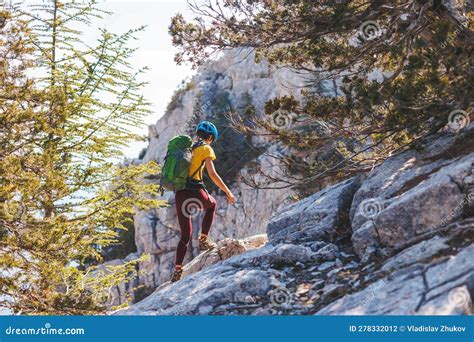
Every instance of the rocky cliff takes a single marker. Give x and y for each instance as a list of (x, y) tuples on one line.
[(240, 81), (396, 241)]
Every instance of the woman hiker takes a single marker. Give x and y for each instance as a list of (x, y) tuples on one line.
[(196, 196)]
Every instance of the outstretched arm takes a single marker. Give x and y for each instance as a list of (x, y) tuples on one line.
[(211, 171)]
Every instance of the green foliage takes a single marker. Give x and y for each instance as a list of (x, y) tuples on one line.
[(124, 243), (67, 111), (422, 51)]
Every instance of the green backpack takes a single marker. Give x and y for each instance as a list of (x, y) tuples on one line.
[(174, 173)]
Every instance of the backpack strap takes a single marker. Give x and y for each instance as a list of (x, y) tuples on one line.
[(195, 145), (161, 189), (199, 168), (198, 143)]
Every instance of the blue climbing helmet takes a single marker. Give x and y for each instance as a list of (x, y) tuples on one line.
[(209, 128)]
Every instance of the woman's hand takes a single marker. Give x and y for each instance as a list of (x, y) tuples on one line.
[(230, 198)]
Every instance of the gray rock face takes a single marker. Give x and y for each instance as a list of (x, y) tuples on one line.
[(240, 279), (225, 249), (419, 252), (414, 193), (318, 217), (432, 289), (270, 266), (410, 251)]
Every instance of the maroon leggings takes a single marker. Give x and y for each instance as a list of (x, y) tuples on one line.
[(188, 205)]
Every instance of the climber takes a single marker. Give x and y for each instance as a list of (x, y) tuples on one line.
[(196, 197)]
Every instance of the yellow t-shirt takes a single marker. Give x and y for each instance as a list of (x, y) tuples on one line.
[(200, 154)]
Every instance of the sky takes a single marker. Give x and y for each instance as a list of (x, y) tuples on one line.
[(154, 50)]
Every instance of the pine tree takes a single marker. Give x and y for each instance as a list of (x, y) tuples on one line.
[(66, 112), (421, 50)]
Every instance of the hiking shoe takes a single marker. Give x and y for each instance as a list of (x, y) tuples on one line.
[(176, 275), (205, 244)]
